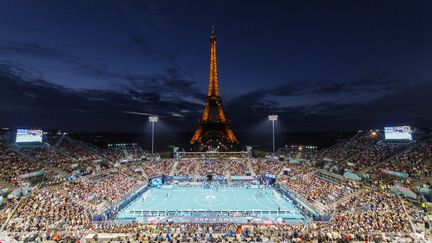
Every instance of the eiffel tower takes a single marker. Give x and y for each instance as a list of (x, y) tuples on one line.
[(213, 128)]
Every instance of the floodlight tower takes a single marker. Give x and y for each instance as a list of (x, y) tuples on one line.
[(153, 119), (273, 118)]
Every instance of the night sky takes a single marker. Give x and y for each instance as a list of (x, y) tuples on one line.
[(320, 65)]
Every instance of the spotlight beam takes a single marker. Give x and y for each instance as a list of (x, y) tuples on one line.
[(273, 118), (153, 119)]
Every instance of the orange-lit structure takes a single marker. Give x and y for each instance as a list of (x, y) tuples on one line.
[(213, 126)]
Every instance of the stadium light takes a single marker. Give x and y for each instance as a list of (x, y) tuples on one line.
[(153, 119), (273, 118)]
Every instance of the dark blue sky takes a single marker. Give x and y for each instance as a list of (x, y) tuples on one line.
[(320, 65)]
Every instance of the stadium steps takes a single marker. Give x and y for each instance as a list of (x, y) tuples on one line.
[(250, 167), (125, 153), (299, 155), (196, 169), (59, 141), (319, 206), (343, 199), (174, 168), (227, 171), (144, 172), (281, 172), (11, 214)]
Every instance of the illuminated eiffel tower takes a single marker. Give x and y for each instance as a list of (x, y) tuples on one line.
[(213, 127)]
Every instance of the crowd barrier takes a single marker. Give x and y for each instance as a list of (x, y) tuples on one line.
[(302, 206), (112, 210), (211, 213)]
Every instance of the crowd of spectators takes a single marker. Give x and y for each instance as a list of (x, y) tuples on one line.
[(102, 189), (238, 166), (71, 204), (349, 147), (304, 182), (356, 211), (416, 161), (49, 208), (13, 164), (54, 158), (372, 210), (371, 156), (288, 152), (119, 152), (233, 232), (78, 150), (267, 166), (185, 167), (134, 170), (158, 167), (217, 166)]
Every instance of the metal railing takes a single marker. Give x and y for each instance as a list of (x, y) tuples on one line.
[(225, 213)]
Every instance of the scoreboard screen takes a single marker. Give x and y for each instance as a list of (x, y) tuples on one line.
[(398, 133), (28, 136)]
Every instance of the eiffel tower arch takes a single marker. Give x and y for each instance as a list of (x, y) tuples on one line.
[(213, 128)]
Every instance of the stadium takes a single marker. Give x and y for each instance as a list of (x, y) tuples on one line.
[(113, 126), (369, 186)]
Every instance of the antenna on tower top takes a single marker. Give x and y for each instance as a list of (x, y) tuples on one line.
[(213, 30)]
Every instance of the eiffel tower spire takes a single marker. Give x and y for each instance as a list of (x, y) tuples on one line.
[(213, 125), (213, 88)]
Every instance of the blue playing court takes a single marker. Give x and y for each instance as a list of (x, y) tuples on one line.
[(259, 201)]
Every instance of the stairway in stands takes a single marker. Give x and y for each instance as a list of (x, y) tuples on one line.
[(227, 170), (9, 216), (250, 167), (174, 168), (125, 153), (343, 199), (144, 173), (196, 170)]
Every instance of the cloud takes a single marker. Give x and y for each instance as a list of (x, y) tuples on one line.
[(96, 70), (137, 113), (36, 102), (32, 50), (137, 44), (28, 100), (390, 101), (170, 84), (311, 95)]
